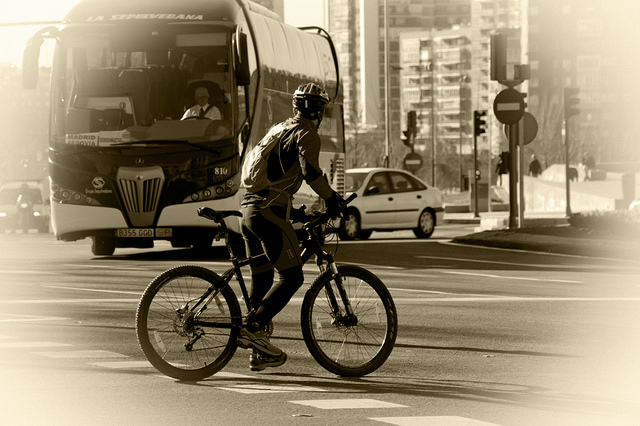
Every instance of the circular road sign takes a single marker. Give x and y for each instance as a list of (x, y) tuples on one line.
[(508, 106), (530, 128), (413, 162)]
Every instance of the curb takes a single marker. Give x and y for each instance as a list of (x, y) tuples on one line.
[(547, 244)]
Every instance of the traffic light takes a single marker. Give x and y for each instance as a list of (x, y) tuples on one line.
[(412, 122), (406, 139), (571, 101), (498, 57), (479, 121), (412, 129)]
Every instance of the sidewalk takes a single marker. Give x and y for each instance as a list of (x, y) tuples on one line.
[(542, 232), (489, 218)]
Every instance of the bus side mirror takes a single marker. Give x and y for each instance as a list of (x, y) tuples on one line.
[(241, 59), (30, 62)]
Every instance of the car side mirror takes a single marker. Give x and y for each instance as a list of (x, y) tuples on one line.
[(372, 190)]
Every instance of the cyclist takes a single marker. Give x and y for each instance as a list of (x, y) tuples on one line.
[(24, 205), (269, 236)]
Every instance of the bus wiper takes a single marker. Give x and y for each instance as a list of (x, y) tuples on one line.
[(170, 142)]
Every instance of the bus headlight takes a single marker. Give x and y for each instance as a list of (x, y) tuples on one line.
[(223, 189), (70, 196)]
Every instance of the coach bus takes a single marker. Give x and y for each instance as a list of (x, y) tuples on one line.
[(125, 168)]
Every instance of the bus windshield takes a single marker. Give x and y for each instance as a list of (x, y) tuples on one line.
[(117, 84)]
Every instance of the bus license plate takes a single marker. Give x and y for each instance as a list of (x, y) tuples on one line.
[(144, 233)]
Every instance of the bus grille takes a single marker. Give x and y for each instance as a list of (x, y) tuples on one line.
[(140, 190)]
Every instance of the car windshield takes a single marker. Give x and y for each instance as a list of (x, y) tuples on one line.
[(354, 180)]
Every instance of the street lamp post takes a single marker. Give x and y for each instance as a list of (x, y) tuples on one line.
[(433, 113), (387, 131), (461, 117)]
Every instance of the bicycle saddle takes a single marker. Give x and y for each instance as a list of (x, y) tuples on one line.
[(217, 215)]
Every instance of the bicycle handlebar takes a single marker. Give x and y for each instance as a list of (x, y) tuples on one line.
[(316, 219), (298, 215)]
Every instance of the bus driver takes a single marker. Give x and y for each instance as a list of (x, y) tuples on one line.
[(202, 108)]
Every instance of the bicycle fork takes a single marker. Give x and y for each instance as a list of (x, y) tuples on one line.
[(349, 319)]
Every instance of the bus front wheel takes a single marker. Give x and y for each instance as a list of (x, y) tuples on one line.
[(103, 246)]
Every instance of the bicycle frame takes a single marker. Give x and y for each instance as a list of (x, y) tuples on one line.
[(310, 246)]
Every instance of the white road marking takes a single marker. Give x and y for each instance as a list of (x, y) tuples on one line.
[(42, 301), (443, 293), (475, 274), (111, 267), (22, 318), (88, 354), (537, 265), (542, 253), (137, 293), (432, 420), (224, 374), (255, 389), (336, 404), (28, 272), (17, 345), (123, 364), (421, 273), (463, 298)]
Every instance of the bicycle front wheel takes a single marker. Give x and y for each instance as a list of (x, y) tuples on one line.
[(349, 346), (175, 333)]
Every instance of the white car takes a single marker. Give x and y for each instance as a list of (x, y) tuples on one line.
[(389, 200)]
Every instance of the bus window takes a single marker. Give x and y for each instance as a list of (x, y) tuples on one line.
[(127, 81)]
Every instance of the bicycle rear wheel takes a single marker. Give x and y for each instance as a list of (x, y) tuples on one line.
[(346, 346), (177, 340)]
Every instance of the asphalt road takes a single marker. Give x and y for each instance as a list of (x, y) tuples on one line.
[(486, 337)]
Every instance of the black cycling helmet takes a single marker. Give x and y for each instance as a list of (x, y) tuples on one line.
[(310, 100)]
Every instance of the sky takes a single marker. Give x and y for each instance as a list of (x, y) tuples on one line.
[(13, 39)]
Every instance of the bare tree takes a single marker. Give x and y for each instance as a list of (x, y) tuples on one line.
[(549, 144), (364, 146)]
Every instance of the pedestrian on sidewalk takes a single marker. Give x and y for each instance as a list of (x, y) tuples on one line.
[(534, 167)]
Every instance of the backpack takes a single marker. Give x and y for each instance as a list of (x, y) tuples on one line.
[(254, 170)]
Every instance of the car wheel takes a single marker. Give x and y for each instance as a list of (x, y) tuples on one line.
[(363, 235), (350, 226), (102, 246), (426, 224)]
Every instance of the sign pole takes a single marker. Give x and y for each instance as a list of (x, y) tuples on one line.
[(490, 170), (566, 168), (476, 212), (521, 172), (513, 176)]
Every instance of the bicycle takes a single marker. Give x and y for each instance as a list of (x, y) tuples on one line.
[(189, 317)]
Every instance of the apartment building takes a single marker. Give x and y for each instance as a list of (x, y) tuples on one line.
[(358, 28)]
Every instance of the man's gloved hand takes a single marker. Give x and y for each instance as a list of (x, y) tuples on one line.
[(298, 215), (336, 205)]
